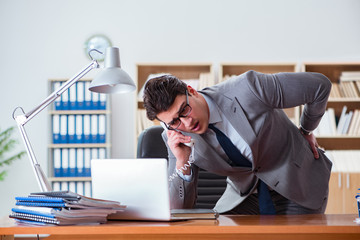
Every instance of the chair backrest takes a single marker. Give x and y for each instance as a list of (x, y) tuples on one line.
[(210, 186), (151, 144)]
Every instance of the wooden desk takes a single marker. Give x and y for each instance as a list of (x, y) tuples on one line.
[(294, 227)]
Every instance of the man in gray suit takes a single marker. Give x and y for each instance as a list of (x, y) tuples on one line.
[(247, 112)]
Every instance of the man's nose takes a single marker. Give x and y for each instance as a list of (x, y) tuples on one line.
[(186, 121)]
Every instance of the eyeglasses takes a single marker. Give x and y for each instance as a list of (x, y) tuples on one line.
[(176, 122)]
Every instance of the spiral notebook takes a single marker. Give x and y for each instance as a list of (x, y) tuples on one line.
[(39, 202), (142, 185)]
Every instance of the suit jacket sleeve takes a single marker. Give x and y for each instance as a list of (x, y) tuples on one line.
[(285, 90)]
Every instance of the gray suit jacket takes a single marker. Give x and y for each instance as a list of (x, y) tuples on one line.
[(282, 158)]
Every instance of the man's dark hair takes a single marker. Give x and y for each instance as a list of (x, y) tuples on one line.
[(160, 93)]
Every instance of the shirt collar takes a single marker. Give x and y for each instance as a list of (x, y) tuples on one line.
[(214, 113)]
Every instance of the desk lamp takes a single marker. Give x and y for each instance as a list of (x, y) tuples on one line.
[(112, 79)]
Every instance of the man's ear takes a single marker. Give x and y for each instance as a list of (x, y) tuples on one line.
[(192, 91)]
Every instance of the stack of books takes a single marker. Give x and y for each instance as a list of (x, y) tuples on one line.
[(348, 123), (348, 85), (63, 208)]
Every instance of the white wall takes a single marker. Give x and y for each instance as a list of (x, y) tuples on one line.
[(43, 39)]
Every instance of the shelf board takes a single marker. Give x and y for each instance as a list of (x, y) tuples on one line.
[(69, 179), (343, 142), (81, 112), (239, 68), (343, 99), (80, 145)]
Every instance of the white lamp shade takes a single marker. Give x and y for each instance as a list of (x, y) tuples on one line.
[(112, 79)]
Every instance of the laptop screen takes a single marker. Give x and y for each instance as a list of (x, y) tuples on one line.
[(140, 184)]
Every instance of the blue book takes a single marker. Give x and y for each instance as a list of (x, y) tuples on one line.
[(71, 129), (65, 100), (79, 128), (65, 169), (72, 162), (87, 128), (79, 162), (37, 213), (72, 98), (57, 103), (63, 129), (33, 218), (57, 162), (40, 199), (102, 129), (40, 204), (102, 102), (28, 221), (87, 97), (56, 129), (80, 95), (94, 129), (95, 101), (87, 162)]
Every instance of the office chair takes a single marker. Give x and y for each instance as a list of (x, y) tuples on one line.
[(210, 186)]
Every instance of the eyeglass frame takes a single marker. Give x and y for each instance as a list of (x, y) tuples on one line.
[(180, 116)]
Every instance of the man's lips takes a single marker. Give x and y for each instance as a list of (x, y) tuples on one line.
[(196, 127)]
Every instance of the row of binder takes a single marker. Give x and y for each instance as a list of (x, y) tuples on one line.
[(79, 128), (79, 97), (79, 187), (75, 162)]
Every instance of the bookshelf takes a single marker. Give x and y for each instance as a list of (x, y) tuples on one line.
[(333, 71), (79, 127), (343, 148), (230, 69), (199, 74)]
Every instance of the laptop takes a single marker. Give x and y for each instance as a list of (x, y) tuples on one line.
[(140, 184)]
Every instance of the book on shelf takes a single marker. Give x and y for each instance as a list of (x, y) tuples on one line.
[(335, 91), (345, 90), (78, 97), (82, 187), (348, 117), (350, 76), (344, 161), (342, 120), (75, 162), (206, 80), (348, 86), (354, 128), (79, 128), (349, 89), (327, 125), (348, 124), (63, 208)]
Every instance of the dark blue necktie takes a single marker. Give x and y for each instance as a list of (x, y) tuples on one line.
[(266, 206)]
